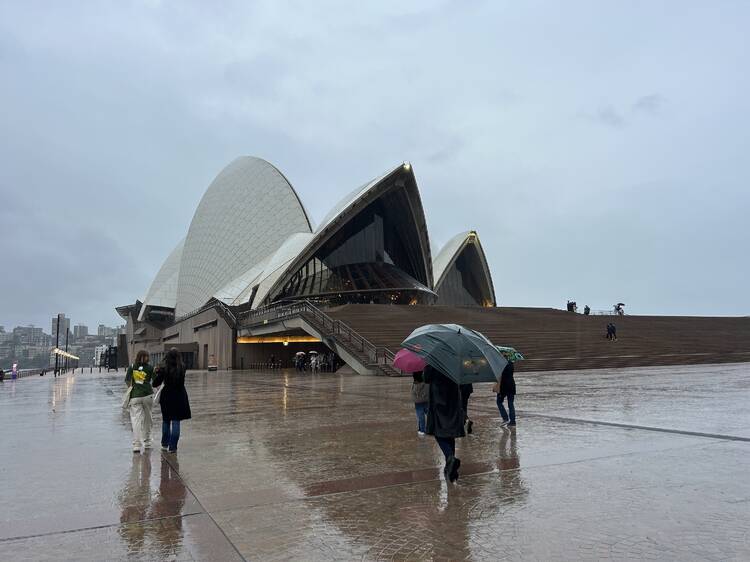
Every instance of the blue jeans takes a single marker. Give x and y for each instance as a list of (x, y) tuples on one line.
[(421, 408), (447, 445), (170, 436), (511, 408)]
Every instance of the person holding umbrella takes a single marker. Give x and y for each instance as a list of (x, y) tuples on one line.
[(445, 417), (412, 363), (455, 355), (466, 392), (314, 362), (420, 394)]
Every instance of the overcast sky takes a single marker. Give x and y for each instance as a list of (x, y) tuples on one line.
[(600, 149)]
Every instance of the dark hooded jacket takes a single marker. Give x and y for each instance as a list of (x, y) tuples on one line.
[(445, 415), (174, 398), (507, 382)]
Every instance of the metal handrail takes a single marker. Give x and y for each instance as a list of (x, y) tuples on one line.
[(208, 306), (376, 355)]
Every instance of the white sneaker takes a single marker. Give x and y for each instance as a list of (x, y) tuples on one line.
[(420, 433), (504, 423), (147, 445), (163, 448)]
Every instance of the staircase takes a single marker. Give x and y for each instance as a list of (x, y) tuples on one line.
[(554, 339), (550, 339), (375, 358)]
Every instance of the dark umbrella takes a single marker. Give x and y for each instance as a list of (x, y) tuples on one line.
[(464, 355)]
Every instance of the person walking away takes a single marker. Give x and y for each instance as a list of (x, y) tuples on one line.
[(614, 332), (466, 390), (14, 371), (2, 375), (138, 378), (609, 331), (420, 395), (445, 417), (174, 402), (507, 390)]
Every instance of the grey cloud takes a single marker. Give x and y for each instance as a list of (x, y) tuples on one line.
[(607, 116), (649, 104)]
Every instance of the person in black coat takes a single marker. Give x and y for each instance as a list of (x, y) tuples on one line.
[(445, 417), (507, 389), (466, 391), (174, 402)]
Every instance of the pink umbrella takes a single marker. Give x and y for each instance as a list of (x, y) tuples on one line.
[(408, 361)]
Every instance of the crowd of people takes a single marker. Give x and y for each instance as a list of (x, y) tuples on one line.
[(442, 409), (315, 362)]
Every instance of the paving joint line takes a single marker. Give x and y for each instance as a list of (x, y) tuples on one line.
[(641, 427), (205, 511), (95, 527)]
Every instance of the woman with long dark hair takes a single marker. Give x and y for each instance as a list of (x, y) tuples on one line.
[(174, 402)]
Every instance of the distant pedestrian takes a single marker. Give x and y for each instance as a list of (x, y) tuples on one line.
[(2, 375), (14, 371), (609, 331), (138, 378), (445, 417), (614, 332), (466, 390), (506, 390), (174, 402), (420, 394)]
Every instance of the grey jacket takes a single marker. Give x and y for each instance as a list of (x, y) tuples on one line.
[(420, 392)]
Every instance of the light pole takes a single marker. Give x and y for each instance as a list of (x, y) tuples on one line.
[(57, 345), (67, 331)]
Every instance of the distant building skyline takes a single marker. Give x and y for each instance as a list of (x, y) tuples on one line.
[(61, 321)]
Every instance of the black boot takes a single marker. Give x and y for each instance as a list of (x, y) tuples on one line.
[(448, 470), (453, 473)]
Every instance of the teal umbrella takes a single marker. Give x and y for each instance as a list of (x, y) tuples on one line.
[(510, 353), (464, 355)]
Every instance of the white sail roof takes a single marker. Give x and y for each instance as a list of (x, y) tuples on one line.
[(163, 289), (246, 214)]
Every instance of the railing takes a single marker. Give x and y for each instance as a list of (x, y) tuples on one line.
[(336, 328), (223, 308), (21, 373)]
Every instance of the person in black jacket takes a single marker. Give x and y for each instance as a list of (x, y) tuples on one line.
[(466, 391), (507, 389), (445, 417), (174, 402)]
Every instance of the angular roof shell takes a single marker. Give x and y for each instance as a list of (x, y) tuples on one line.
[(399, 177), (449, 253), (163, 289), (246, 214)]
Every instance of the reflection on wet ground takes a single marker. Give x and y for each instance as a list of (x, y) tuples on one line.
[(647, 463)]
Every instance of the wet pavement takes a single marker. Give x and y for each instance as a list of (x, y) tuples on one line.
[(646, 463)]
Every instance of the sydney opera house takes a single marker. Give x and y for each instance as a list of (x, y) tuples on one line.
[(251, 246)]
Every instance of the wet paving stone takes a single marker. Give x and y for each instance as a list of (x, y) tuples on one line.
[(646, 464)]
